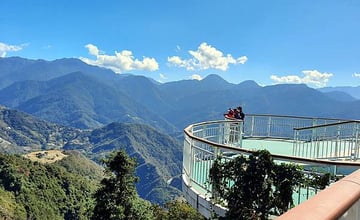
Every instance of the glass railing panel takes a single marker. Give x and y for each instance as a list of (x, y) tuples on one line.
[(337, 141), (310, 139)]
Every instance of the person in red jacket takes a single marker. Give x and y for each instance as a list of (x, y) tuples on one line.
[(230, 113)]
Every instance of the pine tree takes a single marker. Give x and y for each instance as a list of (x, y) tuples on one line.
[(117, 197)]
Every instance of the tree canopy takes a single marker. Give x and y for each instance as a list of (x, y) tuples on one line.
[(117, 197), (64, 190), (257, 185)]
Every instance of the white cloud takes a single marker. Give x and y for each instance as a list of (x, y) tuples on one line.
[(4, 48), (313, 77), (206, 57), (196, 77), (162, 76), (47, 47), (356, 75), (93, 50), (177, 61), (242, 60), (120, 62)]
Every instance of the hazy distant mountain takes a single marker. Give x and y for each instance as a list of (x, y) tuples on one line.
[(340, 96), (291, 99), (174, 91), (86, 100), (19, 92), (14, 69), (91, 97), (353, 91), (79, 100), (158, 155), (145, 92)]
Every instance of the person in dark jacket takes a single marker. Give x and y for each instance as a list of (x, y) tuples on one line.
[(239, 113)]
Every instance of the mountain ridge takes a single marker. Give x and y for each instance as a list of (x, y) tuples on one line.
[(80, 100), (96, 111), (158, 155), (86, 100), (353, 91)]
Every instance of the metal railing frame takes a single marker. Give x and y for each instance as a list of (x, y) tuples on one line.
[(208, 140)]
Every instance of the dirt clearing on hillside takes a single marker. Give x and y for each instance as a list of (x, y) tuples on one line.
[(46, 156)]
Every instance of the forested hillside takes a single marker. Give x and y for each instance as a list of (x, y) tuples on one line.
[(21, 132), (31, 190), (158, 155), (76, 188)]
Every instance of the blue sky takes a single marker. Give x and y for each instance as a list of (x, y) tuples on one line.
[(281, 41)]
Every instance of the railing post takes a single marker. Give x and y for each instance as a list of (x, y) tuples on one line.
[(337, 141), (357, 144), (221, 133), (314, 139), (314, 122), (252, 126), (317, 145), (204, 127), (241, 133), (268, 127), (220, 140), (295, 143), (192, 159)]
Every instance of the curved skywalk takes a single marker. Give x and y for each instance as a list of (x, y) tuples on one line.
[(330, 145)]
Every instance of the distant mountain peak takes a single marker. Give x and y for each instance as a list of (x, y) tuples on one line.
[(249, 83), (68, 60), (215, 81), (213, 77), (291, 85)]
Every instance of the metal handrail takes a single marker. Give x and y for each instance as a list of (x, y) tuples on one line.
[(299, 117), (326, 125), (312, 161), (205, 141), (339, 201)]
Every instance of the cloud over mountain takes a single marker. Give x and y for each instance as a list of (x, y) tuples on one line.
[(196, 76), (120, 62), (4, 48), (313, 77), (207, 57), (356, 75)]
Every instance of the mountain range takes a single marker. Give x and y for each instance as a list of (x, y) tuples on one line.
[(67, 104), (72, 93), (158, 155), (352, 92)]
